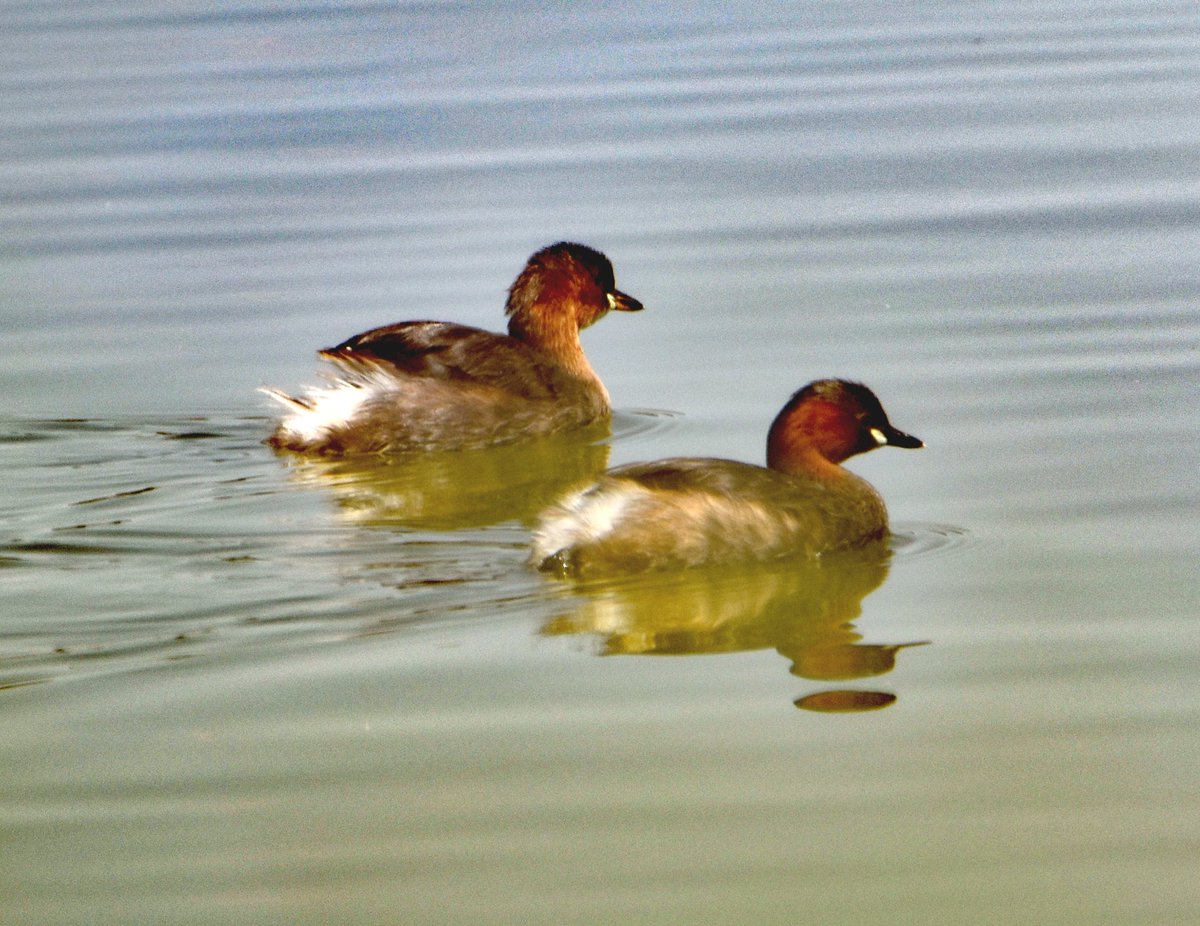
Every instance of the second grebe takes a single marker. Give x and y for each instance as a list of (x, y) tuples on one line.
[(686, 512), (426, 385)]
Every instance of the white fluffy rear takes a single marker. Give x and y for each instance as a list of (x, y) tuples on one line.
[(323, 409), (582, 518)]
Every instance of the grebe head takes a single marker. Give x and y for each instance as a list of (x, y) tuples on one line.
[(565, 283), (835, 419)]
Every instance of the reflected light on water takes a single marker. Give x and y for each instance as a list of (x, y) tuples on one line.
[(460, 489), (473, 488), (804, 610)]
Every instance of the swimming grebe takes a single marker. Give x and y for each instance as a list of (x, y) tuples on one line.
[(685, 512), (436, 385)]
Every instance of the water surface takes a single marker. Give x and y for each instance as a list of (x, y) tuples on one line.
[(242, 688)]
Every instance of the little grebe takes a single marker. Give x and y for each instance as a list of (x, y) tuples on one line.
[(685, 512), (424, 385)]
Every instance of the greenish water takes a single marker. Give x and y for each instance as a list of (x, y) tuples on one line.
[(238, 688)]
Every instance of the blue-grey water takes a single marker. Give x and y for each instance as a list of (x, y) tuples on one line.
[(238, 688)]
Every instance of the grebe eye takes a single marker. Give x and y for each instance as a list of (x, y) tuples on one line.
[(880, 437)]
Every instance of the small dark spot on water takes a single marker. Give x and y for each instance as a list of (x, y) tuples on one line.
[(188, 435), (23, 437), (845, 701), (80, 424), (47, 546), (85, 526), (108, 498), (21, 683)]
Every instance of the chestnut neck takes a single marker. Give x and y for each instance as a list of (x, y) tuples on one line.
[(553, 330), (812, 438)]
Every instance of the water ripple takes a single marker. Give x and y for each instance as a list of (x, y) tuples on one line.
[(915, 538), (634, 425)]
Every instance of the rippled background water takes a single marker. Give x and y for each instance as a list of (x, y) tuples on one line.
[(245, 690)]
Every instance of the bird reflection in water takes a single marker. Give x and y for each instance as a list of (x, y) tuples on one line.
[(803, 609), (462, 489)]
